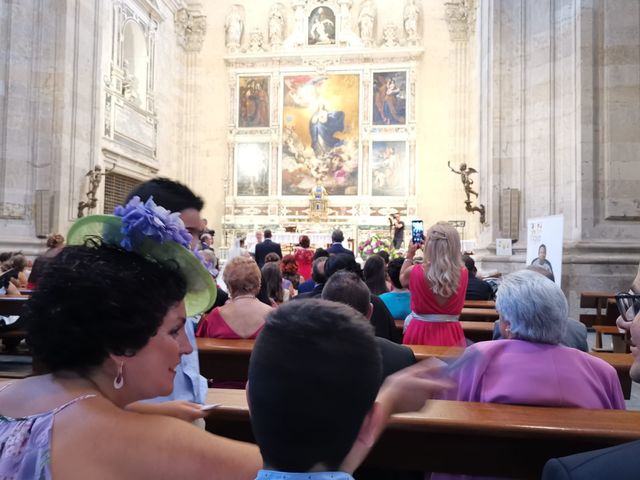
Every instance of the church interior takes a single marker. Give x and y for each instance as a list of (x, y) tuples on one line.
[(307, 117)]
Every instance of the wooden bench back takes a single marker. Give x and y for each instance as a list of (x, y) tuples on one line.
[(463, 437)]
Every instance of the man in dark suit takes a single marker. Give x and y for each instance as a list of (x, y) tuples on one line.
[(345, 287), (621, 462), (337, 237), (265, 247)]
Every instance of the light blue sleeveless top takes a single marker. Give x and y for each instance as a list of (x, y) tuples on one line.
[(25, 444)]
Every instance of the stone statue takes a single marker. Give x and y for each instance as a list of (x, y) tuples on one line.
[(256, 41), (128, 83), (366, 22), (95, 177), (234, 26), (411, 17), (390, 35), (276, 25)]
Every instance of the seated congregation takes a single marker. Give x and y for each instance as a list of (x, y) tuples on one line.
[(113, 322)]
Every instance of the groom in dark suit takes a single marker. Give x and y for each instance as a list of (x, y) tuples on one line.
[(265, 247), (337, 237)]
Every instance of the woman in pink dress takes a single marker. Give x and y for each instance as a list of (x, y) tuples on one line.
[(243, 315), (304, 257), (437, 287)]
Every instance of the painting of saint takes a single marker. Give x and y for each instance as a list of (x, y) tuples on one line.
[(322, 27), (252, 169), (389, 168), (253, 102), (320, 131), (389, 98)]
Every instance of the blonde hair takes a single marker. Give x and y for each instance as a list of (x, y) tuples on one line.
[(55, 240), (242, 276), (442, 259)]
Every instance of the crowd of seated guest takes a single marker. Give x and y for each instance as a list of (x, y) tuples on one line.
[(529, 362)]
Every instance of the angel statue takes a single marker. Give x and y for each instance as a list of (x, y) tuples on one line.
[(411, 15), (465, 178)]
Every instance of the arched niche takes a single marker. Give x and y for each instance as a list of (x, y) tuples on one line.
[(135, 62)]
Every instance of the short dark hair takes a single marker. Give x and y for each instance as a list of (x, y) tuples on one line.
[(337, 236), (316, 275), (373, 273), (385, 256), (96, 299), (348, 288), (341, 261), (172, 195), (393, 269), (314, 374), (470, 264), (319, 253), (267, 233), (271, 257)]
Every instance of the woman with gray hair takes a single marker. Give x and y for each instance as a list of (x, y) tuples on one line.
[(530, 367)]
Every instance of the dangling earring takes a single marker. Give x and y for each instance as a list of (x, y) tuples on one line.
[(118, 382)]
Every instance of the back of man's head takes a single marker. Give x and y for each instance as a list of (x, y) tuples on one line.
[(341, 261), (313, 377), (172, 195), (317, 272), (267, 233), (348, 288), (337, 236)]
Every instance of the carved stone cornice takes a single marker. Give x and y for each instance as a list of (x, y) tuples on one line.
[(460, 16), (191, 28)]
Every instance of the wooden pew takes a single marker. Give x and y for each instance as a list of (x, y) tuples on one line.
[(479, 314), (480, 304), (474, 331), (622, 363), (463, 437), (598, 301), (228, 360)]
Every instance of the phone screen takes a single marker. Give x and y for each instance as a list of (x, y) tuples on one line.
[(417, 231)]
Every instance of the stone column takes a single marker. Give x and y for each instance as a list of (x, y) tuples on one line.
[(191, 28), (460, 17)]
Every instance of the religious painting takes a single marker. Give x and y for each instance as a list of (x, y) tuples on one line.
[(322, 27), (320, 132), (389, 98), (389, 168), (252, 169), (253, 101)]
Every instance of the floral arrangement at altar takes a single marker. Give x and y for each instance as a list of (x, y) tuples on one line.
[(376, 244)]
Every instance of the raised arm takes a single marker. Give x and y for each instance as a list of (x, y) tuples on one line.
[(407, 266)]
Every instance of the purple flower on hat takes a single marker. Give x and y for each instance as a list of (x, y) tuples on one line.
[(148, 220)]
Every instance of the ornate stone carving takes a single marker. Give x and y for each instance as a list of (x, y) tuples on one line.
[(366, 22), (276, 25), (460, 16), (411, 20), (390, 35), (234, 27), (256, 41), (190, 29)]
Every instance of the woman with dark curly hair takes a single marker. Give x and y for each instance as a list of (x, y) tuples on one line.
[(108, 322)]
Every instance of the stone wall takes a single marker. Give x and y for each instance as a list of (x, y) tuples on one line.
[(559, 122)]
